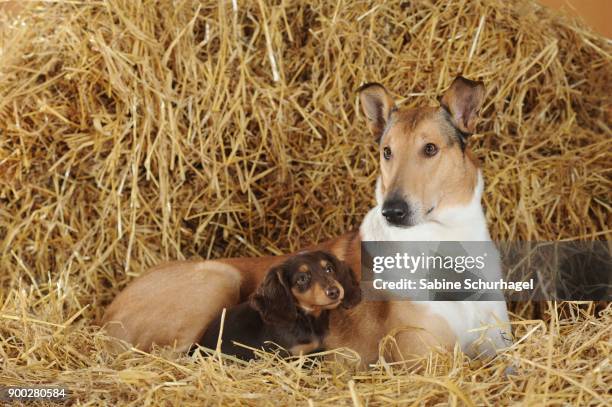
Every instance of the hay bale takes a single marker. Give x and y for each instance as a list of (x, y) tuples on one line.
[(137, 131)]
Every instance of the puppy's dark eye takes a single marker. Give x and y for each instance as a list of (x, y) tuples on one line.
[(329, 268), (430, 149), (387, 153), (303, 279)]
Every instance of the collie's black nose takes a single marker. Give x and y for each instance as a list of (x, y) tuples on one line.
[(333, 293), (396, 211)]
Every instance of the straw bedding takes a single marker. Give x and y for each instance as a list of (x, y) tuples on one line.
[(137, 131)]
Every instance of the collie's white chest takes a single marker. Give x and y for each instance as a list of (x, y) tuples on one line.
[(480, 327)]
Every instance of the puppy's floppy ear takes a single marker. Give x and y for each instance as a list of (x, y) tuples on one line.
[(273, 299), (376, 104), (462, 101), (352, 291)]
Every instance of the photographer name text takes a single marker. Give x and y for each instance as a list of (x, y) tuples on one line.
[(444, 285)]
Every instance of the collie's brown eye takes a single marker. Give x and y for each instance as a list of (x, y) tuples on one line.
[(329, 268), (430, 149), (387, 153)]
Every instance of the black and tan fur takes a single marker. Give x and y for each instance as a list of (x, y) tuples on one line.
[(290, 309)]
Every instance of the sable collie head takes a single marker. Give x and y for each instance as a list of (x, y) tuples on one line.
[(424, 159), (310, 281)]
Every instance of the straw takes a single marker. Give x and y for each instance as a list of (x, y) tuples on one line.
[(133, 132)]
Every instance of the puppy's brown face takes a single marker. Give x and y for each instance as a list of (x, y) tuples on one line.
[(312, 282)]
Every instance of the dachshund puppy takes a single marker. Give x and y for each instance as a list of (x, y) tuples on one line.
[(290, 309)]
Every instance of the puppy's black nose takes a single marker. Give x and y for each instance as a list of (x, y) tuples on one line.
[(332, 292), (395, 211)]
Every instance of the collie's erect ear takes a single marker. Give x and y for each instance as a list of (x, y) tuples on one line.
[(462, 101), (376, 104), (273, 299), (352, 291)]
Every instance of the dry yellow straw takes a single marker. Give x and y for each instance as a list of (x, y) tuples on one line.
[(133, 132)]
